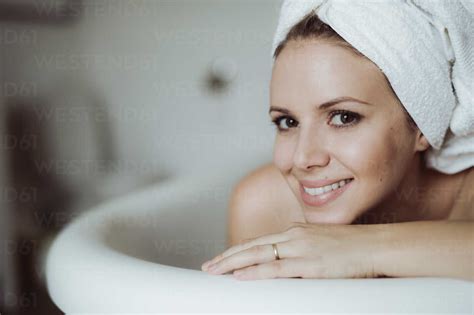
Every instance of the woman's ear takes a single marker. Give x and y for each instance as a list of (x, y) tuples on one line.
[(422, 143)]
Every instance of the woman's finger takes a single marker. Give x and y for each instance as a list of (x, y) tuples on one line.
[(284, 268), (257, 254), (266, 239)]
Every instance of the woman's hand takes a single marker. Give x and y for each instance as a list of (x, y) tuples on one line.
[(306, 251)]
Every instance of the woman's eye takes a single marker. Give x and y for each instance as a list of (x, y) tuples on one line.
[(285, 123), (344, 118)]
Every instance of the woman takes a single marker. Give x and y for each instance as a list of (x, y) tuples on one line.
[(349, 193)]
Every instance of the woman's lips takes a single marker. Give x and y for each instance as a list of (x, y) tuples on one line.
[(324, 198)]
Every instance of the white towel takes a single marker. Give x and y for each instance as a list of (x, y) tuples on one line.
[(425, 49)]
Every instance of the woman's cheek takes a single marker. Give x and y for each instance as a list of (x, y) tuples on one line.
[(366, 153), (375, 159), (283, 153)]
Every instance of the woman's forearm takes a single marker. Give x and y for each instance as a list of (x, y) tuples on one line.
[(424, 249)]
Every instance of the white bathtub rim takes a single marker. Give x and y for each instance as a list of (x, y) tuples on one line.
[(75, 292)]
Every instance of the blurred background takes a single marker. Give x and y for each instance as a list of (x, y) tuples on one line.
[(103, 97)]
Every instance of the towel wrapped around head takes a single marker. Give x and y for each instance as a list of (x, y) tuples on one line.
[(425, 49)]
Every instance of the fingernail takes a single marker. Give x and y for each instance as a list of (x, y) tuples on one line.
[(214, 268), (211, 267)]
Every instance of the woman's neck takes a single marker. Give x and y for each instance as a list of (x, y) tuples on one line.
[(413, 198)]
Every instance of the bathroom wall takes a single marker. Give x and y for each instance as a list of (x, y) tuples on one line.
[(146, 63), (113, 95)]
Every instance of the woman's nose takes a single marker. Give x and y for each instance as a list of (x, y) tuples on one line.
[(310, 152)]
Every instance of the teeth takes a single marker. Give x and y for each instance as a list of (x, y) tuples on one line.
[(321, 190), (318, 191)]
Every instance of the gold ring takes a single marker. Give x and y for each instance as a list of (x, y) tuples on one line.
[(275, 251)]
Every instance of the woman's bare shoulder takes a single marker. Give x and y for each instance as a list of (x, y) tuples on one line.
[(260, 204), (463, 208)]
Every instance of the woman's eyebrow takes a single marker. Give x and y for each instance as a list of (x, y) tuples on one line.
[(324, 105)]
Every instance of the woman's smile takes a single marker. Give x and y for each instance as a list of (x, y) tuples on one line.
[(318, 196)]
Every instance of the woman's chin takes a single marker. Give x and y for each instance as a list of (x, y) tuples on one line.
[(328, 215)]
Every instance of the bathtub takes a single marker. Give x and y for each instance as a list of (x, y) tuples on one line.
[(142, 253)]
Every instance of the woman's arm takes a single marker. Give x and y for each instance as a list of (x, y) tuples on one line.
[(426, 248), (411, 249)]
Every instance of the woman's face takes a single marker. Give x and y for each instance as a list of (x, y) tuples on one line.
[(363, 147)]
